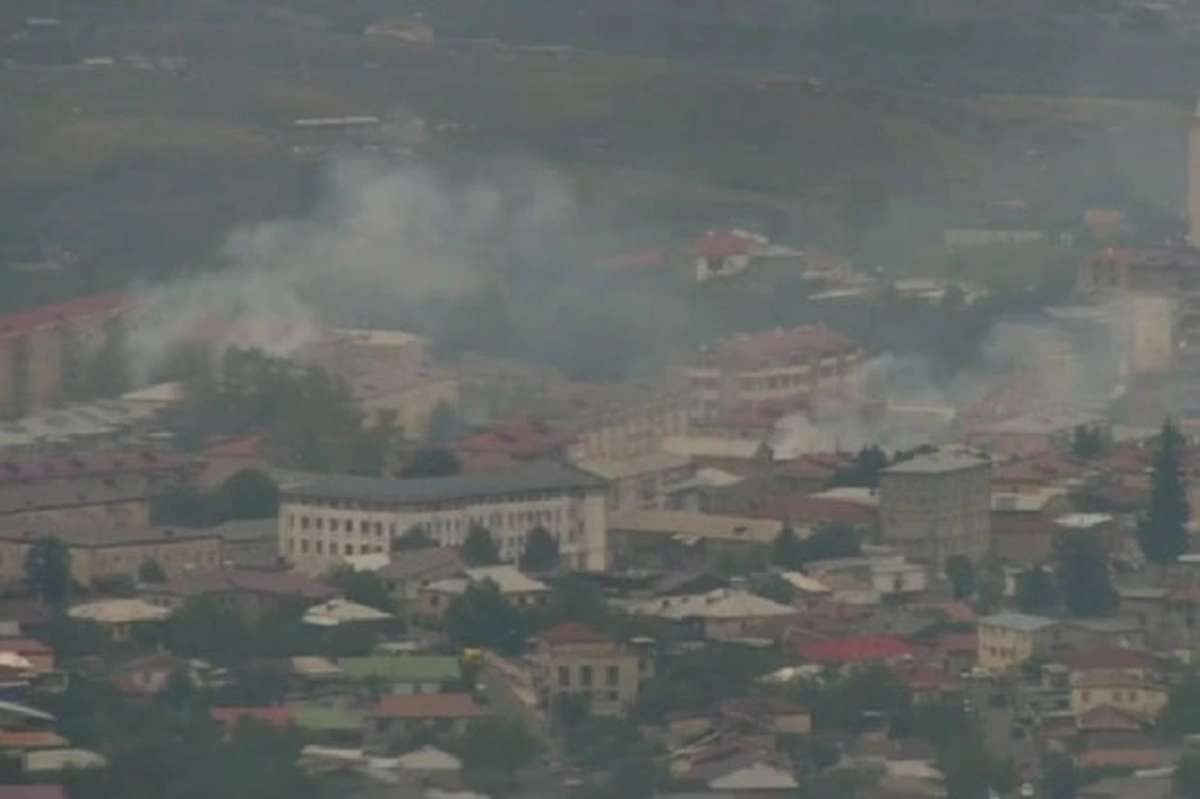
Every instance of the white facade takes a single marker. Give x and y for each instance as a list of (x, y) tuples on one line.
[(324, 521)]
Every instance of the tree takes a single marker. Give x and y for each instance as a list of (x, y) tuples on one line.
[(248, 494), (961, 574), (414, 537), (864, 472), (479, 548), (829, 541), (1060, 778), (1162, 530), (1185, 782), (1088, 442), (1083, 576), (482, 617), (541, 551), (48, 570), (363, 587), (374, 447), (1181, 715), (433, 462), (787, 552), (1036, 592), (493, 750), (444, 425), (151, 571)]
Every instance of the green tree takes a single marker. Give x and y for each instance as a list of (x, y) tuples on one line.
[(482, 617), (1083, 576), (787, 551), (831, 540), (541, 551), (203, 628), (1088, 442), (1185, 781), (375, 446), (414, 537), (1036, 592), (1060, 778), (1162, 530), (48, 570), (493, 750), (248, 494), (363, 587), (961, 574), (444, 425), (433, 462), (479, 548), (151, 571), (1181, 715), (868, 464)]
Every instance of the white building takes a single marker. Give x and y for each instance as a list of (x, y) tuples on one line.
[(325, 519)]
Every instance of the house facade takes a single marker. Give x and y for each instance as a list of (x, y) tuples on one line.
[(574, 660)]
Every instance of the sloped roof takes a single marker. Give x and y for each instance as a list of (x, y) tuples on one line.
[(856, 649), (572, 633)]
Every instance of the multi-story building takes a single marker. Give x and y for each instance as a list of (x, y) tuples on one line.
[(324, 519), (102, 489), (574, 660), (98, 554), (937, 505), (43, 350), (645, 483), (1006, 640), (773, 367)]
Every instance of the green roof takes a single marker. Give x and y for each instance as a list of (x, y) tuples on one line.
[(326, 719), (402, 668)]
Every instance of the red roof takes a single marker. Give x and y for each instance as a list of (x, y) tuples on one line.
[(776, 348), (518, 439), (49, 315), (32, 792), (233, 716), (1108, 719), (25, 646), (572, 633), (425, 706), (244, 447), (86, 464), (723, 245), (1110, 658), (856, 649)]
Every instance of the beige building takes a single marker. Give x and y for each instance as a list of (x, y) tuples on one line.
[(98, 554), (722, 615), (618, 421), (938, 505), (1116, 688), (1006, 640), (324, 519), (574, 660), (522, 592), (773, 367), (644, 483)]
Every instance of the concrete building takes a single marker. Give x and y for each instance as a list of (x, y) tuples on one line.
[(644, 483), (937, 505), (1006, 640), (773, 367), (102, 490), (43, 350), (1116, 688), (324, 519), (70, 429), (99, 554), (574, 660), (519, 590)]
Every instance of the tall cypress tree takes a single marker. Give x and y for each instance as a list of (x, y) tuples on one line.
[(1162, 530)]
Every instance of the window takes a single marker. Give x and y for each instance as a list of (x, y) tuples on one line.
[(1087, 696), (612, 675), (320, 546), (564, 676), (304, 545), (303, 522), (364, 526), (585, 676), (613, 696), (349, 549)]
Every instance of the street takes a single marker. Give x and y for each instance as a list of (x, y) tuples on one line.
[(997, 725)]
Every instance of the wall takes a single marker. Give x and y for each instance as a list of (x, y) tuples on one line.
[(607, 698), (932, 516), (89, 563)]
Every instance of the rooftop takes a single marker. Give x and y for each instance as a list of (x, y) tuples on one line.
[(402, 668), (99, 537), (713, 447), (416, 562), (1020, 622), (572, 633), (425, 706), (856, 649), (538, 478), (611, 469), (102, 463), (244, 581), (723, 603), (428, 758), (689, 524), (774, 349), (336, 612), (47, 315), (724, 244), (118, 611), (941, 461)]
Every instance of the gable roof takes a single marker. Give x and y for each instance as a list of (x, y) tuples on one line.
[(856, 649), (415, 562), (1021, 622), (757, 777), (1109, 658), (572, 633)]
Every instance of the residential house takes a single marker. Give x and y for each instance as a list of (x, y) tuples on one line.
[(774, 366), (1006, 640), (521, 591), (249, 543), (774, 716), (762, 780), (44, 791), (719, 255), (669, 539), (398, 717), (1032, 435), (407, 572), (119, 617), (1106, 633), (340, 612), (149, 675), (325, 519), (937, 505), (856, 650), (573, 660), (724, 614), (403, 674), (430, 767), (1116, 688), (99, 554), (251, 593), (736, 456), (38, 655)]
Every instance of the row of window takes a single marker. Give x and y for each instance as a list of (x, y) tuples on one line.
[(319, 547), (461, 504), (1116, 696), (612, 676)]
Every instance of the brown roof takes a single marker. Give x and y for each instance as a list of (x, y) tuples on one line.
[(1110, 658), (1106, 718), (97, 537), (245, 581), (1145, 758), (425, 706), (32, 792), (31, 739), (1112, 678), (415, 562), (572, 633), (91, 464), (25, 646)]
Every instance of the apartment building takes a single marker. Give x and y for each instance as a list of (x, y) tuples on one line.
[(937, 505), (773, 367), (41, 350), (645, 483), (102, 489), (324, 519), (98, 554), (1006, 640), (574, 660)]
